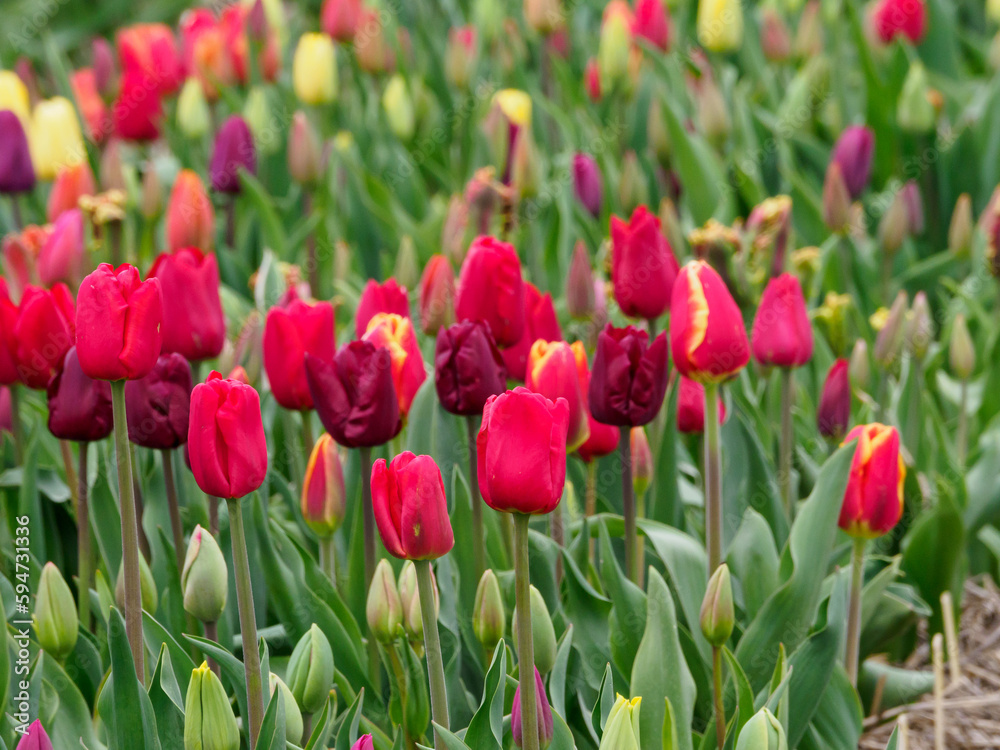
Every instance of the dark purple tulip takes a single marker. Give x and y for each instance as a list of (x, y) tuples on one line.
[(354, 395), (233, 151), (157, 406), (35, 738), (79, 407), (834, 413), (468, 367), (543, 711), (17, 175), (587, 181), (853, 152), (629, 377)]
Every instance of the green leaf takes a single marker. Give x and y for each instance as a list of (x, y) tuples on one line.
[(272, 728), (347, 735), (323, 727), (72, 721), (605, 702), (628, 615), (264, 209), (899, 687), (932, 554), (557, 679), (744, 693), (167, 702), (134, 724), (486, 728), (670, 741), (753, 559)]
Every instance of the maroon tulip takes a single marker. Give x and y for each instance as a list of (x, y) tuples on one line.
[(834, 412), (543, 711), (691, 407), (8, 341), (63, 254), (853, 152), (289, 334), (540, 322), (35, 738), (226, 442), (411, 509), (603, 438), (233, 151), (490, 288), (587, 183), (102, 60), (118, 320), (45, 331), (781, 334), (629, 377), (158, 405), (376, 298), (354, 395), (643, 267), (193, 320), (468, 367), (17, 175), (79, 406)]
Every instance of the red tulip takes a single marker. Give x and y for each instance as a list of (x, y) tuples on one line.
[(149, 50), (411, 509), (522, 452), (395, 333), (340, 18), (45, 331), (643, 267), (468, 367), (63, 254), (90, 103), (194, 324), (235, 20), (834, 411), (71, 184), (592, 80), (79, 406), (205, 54), (388, 297), (289, 334), (158, 405), (490, 289), (603, 438), (782, 335), (873, 501), (552, 372), (540, 322), (894, 18), (190, 218), (355, 396), (691, 407), (138, 110), (323, 494), (8, 341), (629, 377), (652, 23), (437, 295), (118, 321), (35, 738), (707, 337)]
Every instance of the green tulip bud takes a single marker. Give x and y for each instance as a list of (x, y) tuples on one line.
[(209, 723), (858, 368), (717, 613), (205, 578), (293, 716), (919, 327), (409, 595), (621, 732), (407, 269), (614, 47), (632, 187), (146, 585), (961, 350), (56, 622), (384, 610), (489, 618), (914, 111), (892, 229), (543, 634), (193, 117), (762, 732), (398, 105), (310, 670), (836, 200), (962, 226), (889, 341), (257, 113)]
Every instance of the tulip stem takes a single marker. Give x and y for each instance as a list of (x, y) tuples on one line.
[(854, 610), (525, 642), (307, 434), (212, 634), (962, 438), (590, 506), (15, 422), (71, 480), (328, 558), (130, 531), (248, 621), (713, 478), (785, 445), (720, 708), (628, 506), (312, 262), (174, 507), (83, 541), (15, 210), (432, 647), (913, 411), (368, 512), (479, 541)]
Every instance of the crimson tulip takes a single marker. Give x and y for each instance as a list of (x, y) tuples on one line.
[(629, 377), (6, 410), (118, 320), (490, 288), (190, 219), (138, 111), (194, 324), (540, 322), (853, 153), (63, 253), (150, 50), (552, 372), (17, 174), (79, 406), (232, 152), (900, 18), (8, 341), (707, 337), (643, 266), (437, 295), (395, 333), (652, 23), (45, 331), (389, 297), (873, 501), (354, 395), (468, 367), (323, 494), (834, 411), (227, 447), (691, 407), (289, 334), (782, 335), (411, 509), (157, 407), (340, 18), (522, 452)]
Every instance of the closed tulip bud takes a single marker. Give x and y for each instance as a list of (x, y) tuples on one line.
[(782, 335), (720, 25), (543, 634), (63, 254), (713, 111), (232, 152), (71, 184), (809, 35), (873, 500), (384, 610), (993, 10), (961, 350), (642, 460), (621, 731), (914, 111), (919, 329), (437, 295), (314, 69), (290, 333), (293, 714), (193, 115), (79, 407), (894, 19), (858, 369), (643, 266), (323, 494), (150, 50), (305, 158), (652, 23), (775, 40), (614, 47), (190, 217), (370, 45), (629, 377), (137, 113), (340, 18), (489, 618), (209, 722), (364, 743), (889, 341), (103, 63), (632, 188), (892, 229), (409, 596), (398, 106), (592, 79), (258, 115), (310, 671), (762, 732), (490, 288), (552, 372), (717, 612), (56, 623), (658, 134), (389, 297), (540, 322), (411, 509), (543, 712), (587, 182), (544, 16), (35, 738), (525, 171), (395, 333), (961, 229), (14, 96), (194, 324), (147, 586), (580, 298), (468, 367), (17, 174), (204, 578), (836, 200), (531, 430), (834, 411), (853, 152), (56, 140), (460, 56), (158, 405), (691, 407), (44, 332)]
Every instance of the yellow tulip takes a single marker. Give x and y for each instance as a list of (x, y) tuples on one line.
[(314, 69), (720, 25), (56, 140), (515, 105), (398, 106), (14, 96), (993, 10)]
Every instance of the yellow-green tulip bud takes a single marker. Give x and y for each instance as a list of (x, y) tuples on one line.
[(489, 618), (56, 621), (642, 460), (615, 45), (398, 105), (193, 117), (621, 732), (305, 156), (543, 634), (209, 723), (384, 610), (962, 226), (632, 187), (919, 327), (858, 368), (314, 69), (293, 715), (717, 612), (720, 25), (889, 341), (409, 595), (762, 732), (961, 350), (310, 670), (914, 111), (204, 578)]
